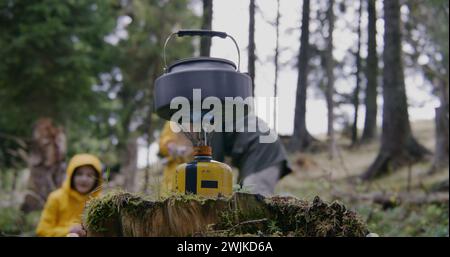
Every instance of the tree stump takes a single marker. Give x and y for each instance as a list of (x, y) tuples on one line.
[(126, 214)]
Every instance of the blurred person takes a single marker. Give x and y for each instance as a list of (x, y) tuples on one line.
[(64, 207), (176, 149), (261, 165)]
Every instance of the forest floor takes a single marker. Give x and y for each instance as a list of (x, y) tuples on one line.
[(405, 193), (315, 174)]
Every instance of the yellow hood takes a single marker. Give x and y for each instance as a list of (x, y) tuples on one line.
[(78, 161), (64, 207)]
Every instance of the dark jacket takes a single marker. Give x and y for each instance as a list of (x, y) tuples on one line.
[(247, 153)]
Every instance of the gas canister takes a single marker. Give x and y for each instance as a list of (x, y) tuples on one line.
[(203, 176)]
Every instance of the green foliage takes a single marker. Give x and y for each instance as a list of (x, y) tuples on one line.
[(58, 63), (427, 19), (51, 54), (139, 62), (15, 222)]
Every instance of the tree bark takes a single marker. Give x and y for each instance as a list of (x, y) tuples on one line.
[(370, 120), (129, 162), (358, 80), (441, 153), (147, 168), (441, 159), (329, 69), (45, 161), (251, 44), (398, 146), (276, 61), (205, 42), (301, 139)]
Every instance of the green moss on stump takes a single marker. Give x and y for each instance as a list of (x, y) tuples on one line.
[(126, 214)]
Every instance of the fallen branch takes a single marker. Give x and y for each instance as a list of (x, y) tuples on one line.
[(389, 200)]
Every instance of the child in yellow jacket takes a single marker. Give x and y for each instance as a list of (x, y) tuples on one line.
[(62, 211), (177, 149)]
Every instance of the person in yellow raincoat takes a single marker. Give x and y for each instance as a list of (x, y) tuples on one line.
[(62, 211), (176, 149)]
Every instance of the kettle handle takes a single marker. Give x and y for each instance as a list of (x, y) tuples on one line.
[(200, 32), (203, 33)]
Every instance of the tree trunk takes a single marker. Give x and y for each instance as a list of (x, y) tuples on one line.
[(441, 159), (205, 42), (147, 168), (301, 138), (370, 120), (276, 62), (358, 80), (129, 162), (2, 178), (329, 69), (398, 146), (124, 214), (251, 44), (442, 139), (45, 161), (148, 127)]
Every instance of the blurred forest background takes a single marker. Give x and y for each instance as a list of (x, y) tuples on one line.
[(78, 76)]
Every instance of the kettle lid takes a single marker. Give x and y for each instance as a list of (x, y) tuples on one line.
[(201, 63)]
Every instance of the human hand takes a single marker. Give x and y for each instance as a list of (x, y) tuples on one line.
[(172, 149), (78, 230), (179, 151)]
